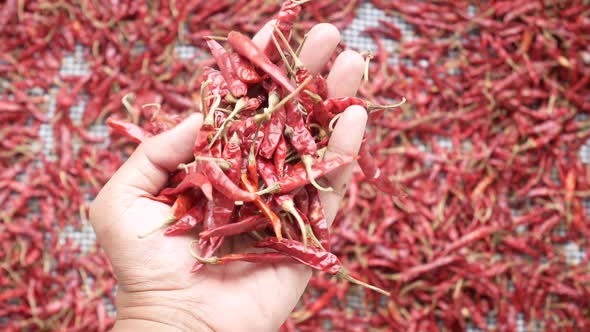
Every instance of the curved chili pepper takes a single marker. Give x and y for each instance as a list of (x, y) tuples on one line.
[(222, 57), (246, 48), (310, 256)]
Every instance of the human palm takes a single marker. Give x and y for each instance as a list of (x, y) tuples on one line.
[(156, 289)]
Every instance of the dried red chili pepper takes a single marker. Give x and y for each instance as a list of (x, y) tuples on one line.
[(374, 175), (127, 129), (223, 184), (222, 57), (310, 256), (297, 176), (273, 133), (244, 70), (246, 48), (244, 225), (192, 179), (272, 217), (266, 257), (187, 222), (280, 156), (284, 21), (233, 154), (317, 219)]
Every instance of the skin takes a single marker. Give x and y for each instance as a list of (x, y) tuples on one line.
[(156, 290)]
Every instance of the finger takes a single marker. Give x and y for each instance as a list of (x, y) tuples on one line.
[(148, 167), (346, 74), (345, 141), (262, 37), (321, 42)]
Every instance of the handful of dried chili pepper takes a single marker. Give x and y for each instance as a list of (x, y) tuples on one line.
[(245, 120)]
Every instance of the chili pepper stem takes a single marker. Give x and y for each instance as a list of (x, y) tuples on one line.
[(215, 38), (298, 64), (298, 50), (373, 107), (164, 224), (321, 132), (240, 104), (209, 120), (314, 238), (314, 97), (203, 97), (156, 105), (282, 54), (127, 101), (368, 56), (234, 139), (211, 260), (332, 123), (262, 117), (355, 281), (289, 206), (308, 161), (274, 188), (224, 164), (251, 168)]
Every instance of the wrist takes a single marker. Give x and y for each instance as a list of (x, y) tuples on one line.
[(143, 312), (130, 324)]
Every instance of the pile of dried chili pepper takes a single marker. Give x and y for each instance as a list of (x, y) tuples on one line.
[(490, 149), (258, 155), (44, 284)]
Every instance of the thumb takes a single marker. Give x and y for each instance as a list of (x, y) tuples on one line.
[(148, 167)]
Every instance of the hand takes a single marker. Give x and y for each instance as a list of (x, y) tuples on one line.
[(157, 291)]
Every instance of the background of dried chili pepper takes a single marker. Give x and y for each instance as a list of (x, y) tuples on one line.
[(484, 84)]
